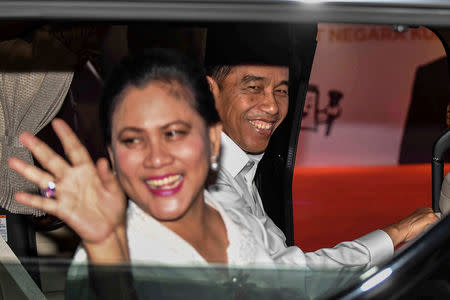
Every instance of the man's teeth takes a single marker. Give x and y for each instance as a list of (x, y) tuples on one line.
[(167, 182), (261, 124)]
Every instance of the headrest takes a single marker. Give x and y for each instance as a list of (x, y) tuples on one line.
[(232, 44), (444, 201)]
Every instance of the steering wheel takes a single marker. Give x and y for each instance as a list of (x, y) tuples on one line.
[(440, 186)]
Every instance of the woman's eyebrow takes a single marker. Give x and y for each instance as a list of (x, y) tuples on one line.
[(178, 122), (131, 128), (138, 130)]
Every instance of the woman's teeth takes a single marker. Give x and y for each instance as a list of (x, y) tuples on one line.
[(166, 183), (261, 124)]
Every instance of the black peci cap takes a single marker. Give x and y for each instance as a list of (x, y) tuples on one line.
[(233, 44)]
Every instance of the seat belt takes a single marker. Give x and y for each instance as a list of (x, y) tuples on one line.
[(12, 264)]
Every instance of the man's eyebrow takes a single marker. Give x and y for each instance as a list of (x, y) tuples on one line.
[(248, 78), (284, 82)]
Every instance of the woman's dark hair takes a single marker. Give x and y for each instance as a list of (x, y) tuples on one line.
[(139, 69)]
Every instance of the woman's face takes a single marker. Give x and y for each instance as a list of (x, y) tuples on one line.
[(161, 149)]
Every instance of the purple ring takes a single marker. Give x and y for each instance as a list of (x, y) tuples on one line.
[(50, 191)]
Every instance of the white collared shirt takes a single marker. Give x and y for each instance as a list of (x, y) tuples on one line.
[(239, 193)]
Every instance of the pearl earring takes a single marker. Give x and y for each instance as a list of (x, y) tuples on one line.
[(214, 163)]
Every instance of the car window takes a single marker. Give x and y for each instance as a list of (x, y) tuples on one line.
[(353, 136), (376, 103), (175, 282)]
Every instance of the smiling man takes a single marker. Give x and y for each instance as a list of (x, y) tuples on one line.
[(248, 73), (254, 100)]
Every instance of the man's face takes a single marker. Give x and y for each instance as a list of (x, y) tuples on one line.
[(252, 101)]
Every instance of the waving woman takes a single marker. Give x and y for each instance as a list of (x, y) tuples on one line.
[(163, 138)]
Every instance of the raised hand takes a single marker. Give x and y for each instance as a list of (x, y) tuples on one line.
[(87, 197)]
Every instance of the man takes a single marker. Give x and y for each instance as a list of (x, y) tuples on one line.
[(250, 86)]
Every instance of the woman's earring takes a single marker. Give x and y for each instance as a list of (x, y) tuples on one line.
[(214, 163)]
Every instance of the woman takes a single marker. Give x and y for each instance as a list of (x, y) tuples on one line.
[(163, 137)]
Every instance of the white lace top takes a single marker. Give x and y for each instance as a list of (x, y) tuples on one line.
[(151, 242)]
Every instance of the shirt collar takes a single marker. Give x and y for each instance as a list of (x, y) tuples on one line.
[(233, 158), (252, 172), (256, 157)]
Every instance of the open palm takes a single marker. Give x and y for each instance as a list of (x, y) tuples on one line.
[(87, 197)]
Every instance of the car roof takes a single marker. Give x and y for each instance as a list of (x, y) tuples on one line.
[(411, 12)]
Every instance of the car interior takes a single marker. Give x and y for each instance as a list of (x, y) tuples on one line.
[(342, 164)]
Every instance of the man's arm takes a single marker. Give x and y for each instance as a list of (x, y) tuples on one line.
[(364, 252), (409, 227)]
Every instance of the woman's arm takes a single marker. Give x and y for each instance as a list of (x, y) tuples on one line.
[(85, 195), (90, 200), (112, 250), (105, 282)]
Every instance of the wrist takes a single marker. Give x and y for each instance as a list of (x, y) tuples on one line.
[(394, 233), (112, 249)]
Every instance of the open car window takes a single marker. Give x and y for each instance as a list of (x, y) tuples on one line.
[(406, 274), (95, 34)]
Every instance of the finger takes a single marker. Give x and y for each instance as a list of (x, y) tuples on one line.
[(44, 154), (424, 209), (107, 177), (74, 149), (32, 173), (427, 213), (46, 204)]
